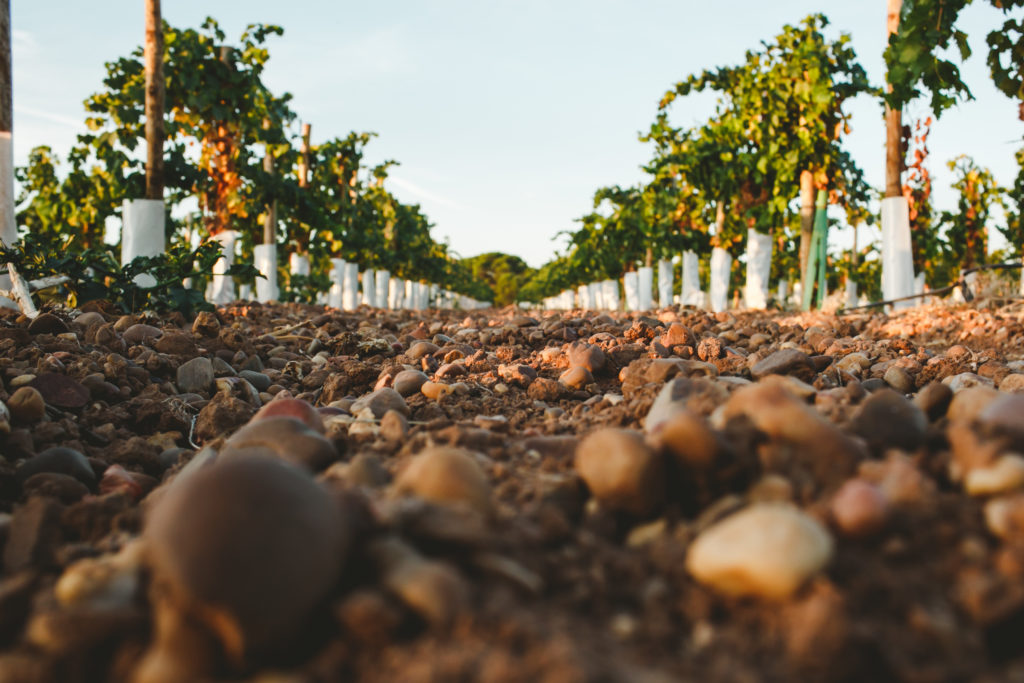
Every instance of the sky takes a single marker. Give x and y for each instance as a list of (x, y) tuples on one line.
[(505, 115)]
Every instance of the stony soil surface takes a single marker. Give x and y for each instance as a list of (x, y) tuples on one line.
[(287, 494)]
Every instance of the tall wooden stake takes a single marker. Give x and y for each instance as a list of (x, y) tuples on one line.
[(154, 58), (303, 237), (893, 122), (8, 228)]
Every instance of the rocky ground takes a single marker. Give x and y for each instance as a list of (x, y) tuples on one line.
[(283, 493)]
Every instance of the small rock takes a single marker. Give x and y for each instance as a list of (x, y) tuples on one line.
[(965, 380), (394, 426), (109, 581), (1004, 516), (544, 389), (888, 420), (27, 405), (934, 400), (446, 475), (59, 460), (47, 323), (853, 363), (688, 438), (176, 343), (791, 362), (60, 487), (1005, 475), (260, 381), (420, 349), (206, 324), (436, 390), (233, 530), (195, 376), (1012, 383), (223, 414), (678, 335), (294, 408), (34, 536), (134, 485), (899, 379), (283, 438), (380, 402), (60, 390), (859, 508), (433, 590), (767, 550), (141, 333), (589, 356), (409, 382), (363, 470), (576, 377), (517, 374), (621, 471)]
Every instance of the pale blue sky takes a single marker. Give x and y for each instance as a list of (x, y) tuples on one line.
[(505, 116)]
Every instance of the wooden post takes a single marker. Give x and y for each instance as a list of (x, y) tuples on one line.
[(154, 58), (893, 122), (304, 161), (270, 218), (806, 224), (8, 228)]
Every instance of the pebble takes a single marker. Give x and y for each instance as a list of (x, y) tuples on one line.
[(409, 382), (294, 408), (47, 323), (433, 590), (766, 550), (421, 348), (785, 362), (1005, 475), (887, 419), (61, 487), (967, 404), (436, 390), (544, 389), (448, 476), (61, 391), (934, 399), (380, 402), (965, 380), (1012, 383), (853, 363), (259, 380), (899, 379), (622, 473), (588, 356), (231, 531), (859, 508), (576, 377), (60, 460), (394, 427), (141, 333), (517, 374), (206, 324), (26, 405), (195, 376), (108, 581), (21, 381), (688, 438), (283, 438)]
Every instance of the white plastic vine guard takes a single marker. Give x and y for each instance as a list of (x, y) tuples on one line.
[(721, 264)]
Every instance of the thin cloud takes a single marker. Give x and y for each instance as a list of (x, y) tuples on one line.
[(418, 191), (23, 41), (48, 116)]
